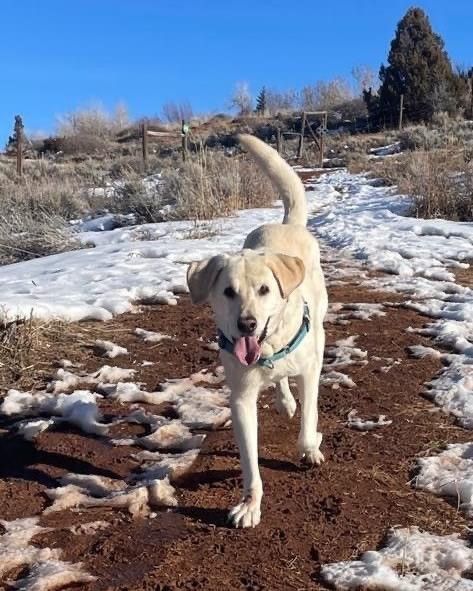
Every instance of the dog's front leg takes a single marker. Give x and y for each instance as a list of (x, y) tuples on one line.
[(245, 426)]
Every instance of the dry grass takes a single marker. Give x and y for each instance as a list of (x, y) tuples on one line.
[(19, 339), (212, 185), (440, 181), (33, 219), (445, 132), (29, 349)]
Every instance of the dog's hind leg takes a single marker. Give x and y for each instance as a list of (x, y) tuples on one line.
[(284, 402)]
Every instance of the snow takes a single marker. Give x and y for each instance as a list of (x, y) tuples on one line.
[(121, 271), (345, 353), (165, 433), (94, 491), (148, 336), (109, 349), (388, 150), (52, 575), (342, 313), (368, 222), (411, 560), (159, 465), (171, 435), (449, 474), (46, 570), (362, 226), (79, 409), (89, 529), (356, 422)]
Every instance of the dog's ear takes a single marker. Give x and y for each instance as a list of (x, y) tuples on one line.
[(288, 271), (201, 277)]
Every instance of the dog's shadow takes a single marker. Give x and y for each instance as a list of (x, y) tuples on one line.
[(270, 463), (207, 515), (229, 479)]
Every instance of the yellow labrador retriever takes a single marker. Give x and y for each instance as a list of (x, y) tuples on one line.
[(269, 302)]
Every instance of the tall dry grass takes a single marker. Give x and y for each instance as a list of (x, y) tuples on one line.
[(212, 185), (440, 182)]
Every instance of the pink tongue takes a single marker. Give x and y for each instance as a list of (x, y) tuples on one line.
[(247, 350)]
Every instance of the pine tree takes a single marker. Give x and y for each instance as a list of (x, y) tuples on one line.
[(419, 68), (261, 101), (13, 139)]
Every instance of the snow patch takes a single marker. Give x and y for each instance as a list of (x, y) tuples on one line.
[(148, 336), (449, 474), (356, 422), (109, 349), (427, 563), (46, 570)]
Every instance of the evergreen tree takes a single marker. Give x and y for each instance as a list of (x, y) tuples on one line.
[(261, 101), (13, 139), (419, 68)]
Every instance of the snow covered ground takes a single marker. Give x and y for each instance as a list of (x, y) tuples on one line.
[(426, 563), (352, 215), (122, 270)]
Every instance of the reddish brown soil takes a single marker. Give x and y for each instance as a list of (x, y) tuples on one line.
[(310, 516)]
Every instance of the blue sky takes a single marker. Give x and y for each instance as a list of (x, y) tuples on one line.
[(146, 52)]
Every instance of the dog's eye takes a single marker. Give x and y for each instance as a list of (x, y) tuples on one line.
[(229, 292), (263, 290)]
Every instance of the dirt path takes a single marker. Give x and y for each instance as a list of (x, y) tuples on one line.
[(310, 516)]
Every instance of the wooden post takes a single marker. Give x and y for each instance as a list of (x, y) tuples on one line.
[(401, 109), (301, 139), (184, 132), (471, 93), (278, 140), (321, 146), (19, 145), (144, 144)]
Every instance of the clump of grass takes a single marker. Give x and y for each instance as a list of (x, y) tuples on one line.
[(19, 339), (440, 182), (33, 219), (445, 132), (143, 200), (212, 185)]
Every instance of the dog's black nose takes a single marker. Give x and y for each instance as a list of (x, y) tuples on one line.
[(247, 326)]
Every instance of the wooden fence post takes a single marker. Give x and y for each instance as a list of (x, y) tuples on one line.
[(19, 145), (321, 149), (301, 139), (144, 144), (278, 140), (323, 131), (184, 132)]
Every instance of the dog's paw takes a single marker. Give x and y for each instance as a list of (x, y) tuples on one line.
[(310, 452), (313, 456), (286, 406), (247, 513)]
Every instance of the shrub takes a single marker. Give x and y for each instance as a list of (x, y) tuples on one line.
[(440, 181), (89, 130), (27, 235), (213, 185), (33, 220), (142, 199), (447, 132)]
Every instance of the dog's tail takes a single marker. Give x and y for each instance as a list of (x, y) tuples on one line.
[(282, 176)]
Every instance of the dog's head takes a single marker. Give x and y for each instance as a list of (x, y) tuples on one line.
[(247, 292)]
